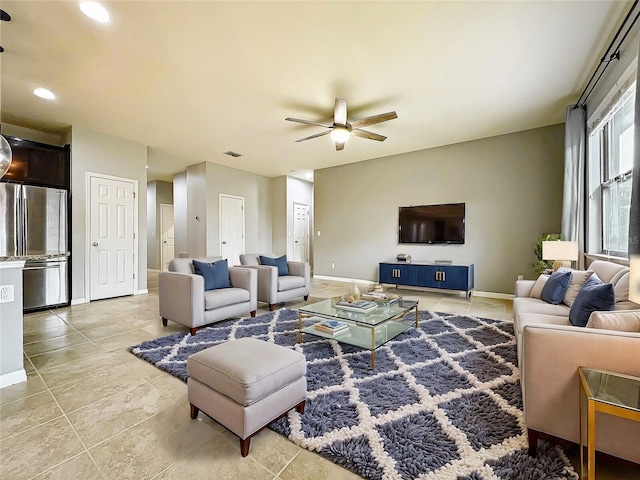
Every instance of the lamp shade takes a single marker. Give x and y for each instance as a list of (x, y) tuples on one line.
[(560, 250), (634, 278)]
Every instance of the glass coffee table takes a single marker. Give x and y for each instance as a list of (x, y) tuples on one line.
[(601, 391), (365, 330)]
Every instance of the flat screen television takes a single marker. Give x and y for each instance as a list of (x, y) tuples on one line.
[(432, 224)]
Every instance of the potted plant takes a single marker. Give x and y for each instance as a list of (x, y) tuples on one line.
[(542, 265)]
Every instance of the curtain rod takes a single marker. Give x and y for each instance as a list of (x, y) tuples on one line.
[(608, 58)]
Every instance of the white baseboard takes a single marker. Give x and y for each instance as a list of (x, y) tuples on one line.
[(141, 292), (13, 378), (78, 301), (503, 296), (344, 279)]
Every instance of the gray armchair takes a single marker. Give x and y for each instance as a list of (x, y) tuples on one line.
[(183, 299), (274, 289)]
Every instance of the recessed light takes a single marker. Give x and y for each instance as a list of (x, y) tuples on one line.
[(95, 11), (44, 93)]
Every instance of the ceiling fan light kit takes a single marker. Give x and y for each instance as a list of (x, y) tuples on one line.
[(340, 134), (341, 130)]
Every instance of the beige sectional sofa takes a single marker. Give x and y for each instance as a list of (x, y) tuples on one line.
[(550, 350)]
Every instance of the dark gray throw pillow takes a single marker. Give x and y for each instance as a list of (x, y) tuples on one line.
[(556, 286), (216, 274), (594, 296)]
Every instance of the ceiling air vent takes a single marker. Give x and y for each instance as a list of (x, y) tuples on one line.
[(233, 154)]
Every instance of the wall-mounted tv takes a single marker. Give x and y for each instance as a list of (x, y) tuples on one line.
[(432, 224)]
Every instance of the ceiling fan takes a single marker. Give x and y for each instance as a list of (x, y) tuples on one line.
[(341, 129)]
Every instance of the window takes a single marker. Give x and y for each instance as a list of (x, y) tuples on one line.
[(610, 170)]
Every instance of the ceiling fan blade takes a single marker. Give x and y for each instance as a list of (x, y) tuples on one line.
[(314, 136), (309, 122), (370, 135), (340, 112), (339, 146), (364, 122)]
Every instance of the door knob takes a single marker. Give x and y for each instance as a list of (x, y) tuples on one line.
[(224, 243), (95, 244)]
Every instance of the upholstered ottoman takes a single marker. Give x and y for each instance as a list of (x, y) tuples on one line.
[(245, 384)]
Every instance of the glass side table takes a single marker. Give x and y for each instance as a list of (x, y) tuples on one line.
[(607, 392)]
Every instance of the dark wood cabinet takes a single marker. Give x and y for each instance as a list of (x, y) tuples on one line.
[(39, 164)]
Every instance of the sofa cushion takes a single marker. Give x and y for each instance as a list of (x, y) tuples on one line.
[(627, 305), (525, 319), (627, 321), (578, 279), (537, 306), (556, 286), (290, 282), (216, 274), (608, 271), (536, 290), (280, 262), (222, 297), (621, 287), (594, 296)]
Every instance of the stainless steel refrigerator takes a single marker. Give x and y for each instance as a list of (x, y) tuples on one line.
[(33, 222)]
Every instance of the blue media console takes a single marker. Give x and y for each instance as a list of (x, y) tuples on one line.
[(428, 275)]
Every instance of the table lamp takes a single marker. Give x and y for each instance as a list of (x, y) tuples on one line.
[(563, 253), (634, 278)]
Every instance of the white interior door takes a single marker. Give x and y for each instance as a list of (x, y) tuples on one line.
[(231, 228), (167, 237), (111, 239), (300, 232)]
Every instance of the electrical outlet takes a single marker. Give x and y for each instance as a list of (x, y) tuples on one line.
[(6, 293), (333, 264)]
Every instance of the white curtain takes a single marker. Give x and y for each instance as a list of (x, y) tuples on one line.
[(634, 210), (573, 201)]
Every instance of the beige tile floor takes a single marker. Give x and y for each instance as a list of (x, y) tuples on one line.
[(92, 410)]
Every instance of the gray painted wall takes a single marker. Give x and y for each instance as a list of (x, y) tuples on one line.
[(279, 216), (286, 191), (197, 194), (256, 191), (98, 153), (298, 191), (180, 213), (152, 227), (158, 193), (511, 184), (197, 211)]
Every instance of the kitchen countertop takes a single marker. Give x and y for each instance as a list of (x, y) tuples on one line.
[(36, 256)]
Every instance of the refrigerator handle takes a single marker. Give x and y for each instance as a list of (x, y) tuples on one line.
[(20, 224), (25, 216)]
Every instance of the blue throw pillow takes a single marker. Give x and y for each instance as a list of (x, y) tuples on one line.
[(216, 274), (593, 296), (281, 263), (555, 288)]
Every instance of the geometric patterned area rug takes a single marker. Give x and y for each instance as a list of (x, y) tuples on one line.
[(444, 401)]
